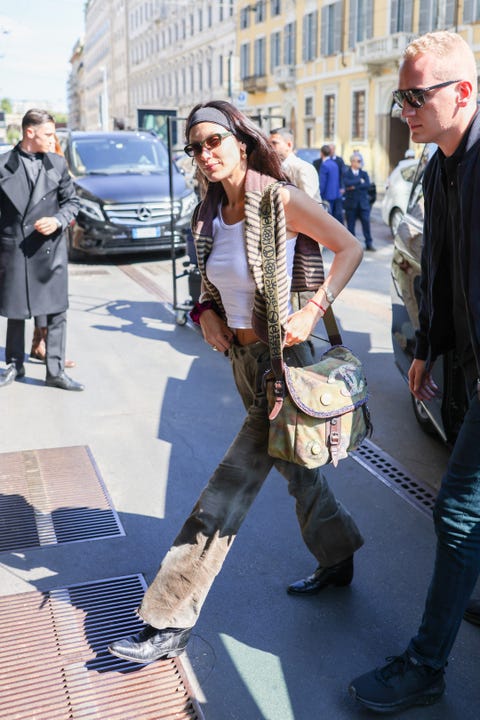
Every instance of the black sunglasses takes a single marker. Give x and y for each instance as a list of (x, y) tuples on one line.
[(416, 96), (211, 142)]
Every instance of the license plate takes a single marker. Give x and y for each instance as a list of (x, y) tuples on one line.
[(140, 233)]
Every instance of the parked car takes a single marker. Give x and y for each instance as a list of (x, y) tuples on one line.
[(123, 181), (308, 154), (397, 193), (443, 415)]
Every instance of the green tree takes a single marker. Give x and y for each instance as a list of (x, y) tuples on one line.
[(6, 105)]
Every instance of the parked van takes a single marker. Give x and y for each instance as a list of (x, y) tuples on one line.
[(124, 182)]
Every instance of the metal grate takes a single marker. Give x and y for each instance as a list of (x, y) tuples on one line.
[(55, 665), (386, 469), (53, 496)]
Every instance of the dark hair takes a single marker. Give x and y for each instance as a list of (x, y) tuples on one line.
[(35, 117), (325, 150), (260, 154)]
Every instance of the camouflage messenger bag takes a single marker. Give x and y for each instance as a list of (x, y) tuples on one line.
[(318, 413)]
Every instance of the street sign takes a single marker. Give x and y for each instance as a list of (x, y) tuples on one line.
[(241, 99)]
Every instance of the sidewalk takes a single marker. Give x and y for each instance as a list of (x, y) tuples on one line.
[(158, 411)]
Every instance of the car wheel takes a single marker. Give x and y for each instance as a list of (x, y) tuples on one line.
[(422, 418), (395, 219)]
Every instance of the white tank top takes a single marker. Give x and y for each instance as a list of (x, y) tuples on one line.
[(227, 269)]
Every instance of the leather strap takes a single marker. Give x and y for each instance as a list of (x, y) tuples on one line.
[(269, 267)]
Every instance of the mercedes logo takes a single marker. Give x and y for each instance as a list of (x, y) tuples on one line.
[(144, 214)]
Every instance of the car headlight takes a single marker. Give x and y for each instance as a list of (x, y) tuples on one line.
[(189, 203), (92, 209)]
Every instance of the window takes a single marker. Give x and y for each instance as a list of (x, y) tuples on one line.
[(200, 19), (308, 106), (244, 60), (275, 50), (260, 11), (245, 17), (192, 24), (310, 32), (200, 76), (259, 57), (276, 8), (437, 15), (358, 115), (331, 28), (209, 16), (329, 117), (289, 44), (401, 16), (360, 24)]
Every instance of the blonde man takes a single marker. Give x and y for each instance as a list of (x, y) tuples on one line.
[(438, 96)]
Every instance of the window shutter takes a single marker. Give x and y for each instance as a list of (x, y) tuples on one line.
[(369, 19), (468, 12), (393, 17), (425, 19), (352, 23), (338, 29)]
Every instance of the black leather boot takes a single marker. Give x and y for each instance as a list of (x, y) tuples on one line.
[(337, 575), (151, 644)]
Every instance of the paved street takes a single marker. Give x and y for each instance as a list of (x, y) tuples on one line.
[(158, 412)]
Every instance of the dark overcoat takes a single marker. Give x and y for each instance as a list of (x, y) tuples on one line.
[(34, 267)]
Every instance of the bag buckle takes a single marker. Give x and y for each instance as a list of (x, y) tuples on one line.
[(278, 394)]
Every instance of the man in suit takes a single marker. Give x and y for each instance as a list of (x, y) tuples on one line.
[(356, 202), (37, 203), (330, 183)]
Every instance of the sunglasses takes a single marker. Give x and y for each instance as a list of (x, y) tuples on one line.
[(416, 96), (195, 149)]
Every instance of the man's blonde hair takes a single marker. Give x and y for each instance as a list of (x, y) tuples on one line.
[(453, 53)]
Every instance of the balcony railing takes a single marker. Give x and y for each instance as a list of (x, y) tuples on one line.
[(285, 76), (255, 83), (384, 50)]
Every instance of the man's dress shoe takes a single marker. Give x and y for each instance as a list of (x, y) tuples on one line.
[(151, 644), (11, 373), (338, 575), (472, 613), (64, 382)]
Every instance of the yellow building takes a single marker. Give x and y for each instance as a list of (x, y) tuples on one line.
[(327, 68)]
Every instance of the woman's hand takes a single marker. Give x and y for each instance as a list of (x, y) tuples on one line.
[(300, 325), (215, 331)]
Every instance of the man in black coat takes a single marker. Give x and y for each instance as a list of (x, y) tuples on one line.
[(37, 203), (438, 90)]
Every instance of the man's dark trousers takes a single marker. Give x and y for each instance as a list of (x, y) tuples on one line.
[(55, 344)]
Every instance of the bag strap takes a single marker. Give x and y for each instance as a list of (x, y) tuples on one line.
[(269, 268)]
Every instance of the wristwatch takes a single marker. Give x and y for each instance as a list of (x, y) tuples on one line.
[(328, 294)]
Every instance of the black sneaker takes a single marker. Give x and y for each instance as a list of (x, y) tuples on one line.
[(400, 684)]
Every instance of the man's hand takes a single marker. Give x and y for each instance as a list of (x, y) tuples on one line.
[(46, 225), (420, 381)]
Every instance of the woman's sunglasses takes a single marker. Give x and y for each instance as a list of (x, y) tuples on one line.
[(211, 142), (416, 96)]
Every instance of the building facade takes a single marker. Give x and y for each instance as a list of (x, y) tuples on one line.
[(326, 68)]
